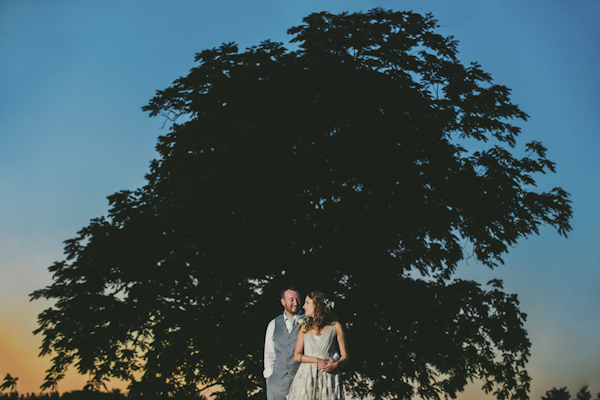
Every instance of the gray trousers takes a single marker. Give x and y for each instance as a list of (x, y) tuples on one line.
[(278, 386)]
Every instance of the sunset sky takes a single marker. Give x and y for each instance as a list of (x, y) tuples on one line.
[(75, 74)]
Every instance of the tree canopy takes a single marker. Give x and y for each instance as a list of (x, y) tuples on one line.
[(584, 393), (366, 162), (557, 394)]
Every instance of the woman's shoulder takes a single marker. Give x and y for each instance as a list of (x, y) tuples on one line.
[(334, 326), (338, 326)]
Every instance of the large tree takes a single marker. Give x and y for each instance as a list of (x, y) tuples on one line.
[(367, 163)]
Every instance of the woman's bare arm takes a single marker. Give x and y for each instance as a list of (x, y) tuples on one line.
[(341, 338), (299, 353)]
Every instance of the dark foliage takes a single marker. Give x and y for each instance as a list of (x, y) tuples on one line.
[(115, 394), (368, 157), (584, 393), (30, 396), (557, 394), (9, 383), (563, 394)]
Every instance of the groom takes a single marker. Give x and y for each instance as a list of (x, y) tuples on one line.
[(280, 343)]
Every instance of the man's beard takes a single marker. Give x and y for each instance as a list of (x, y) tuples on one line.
[(289, 310)]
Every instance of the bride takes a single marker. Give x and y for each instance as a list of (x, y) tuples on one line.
[(318, 377)]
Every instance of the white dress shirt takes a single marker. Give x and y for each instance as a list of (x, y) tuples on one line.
[(270, 343)]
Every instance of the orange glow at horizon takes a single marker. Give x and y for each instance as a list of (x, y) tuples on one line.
[(19, 348)]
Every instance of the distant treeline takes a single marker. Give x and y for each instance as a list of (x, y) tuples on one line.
[(77, 395), (74, 395), (116, 394), (563, 394)]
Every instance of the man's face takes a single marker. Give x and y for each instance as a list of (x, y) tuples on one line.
[(291, 302)]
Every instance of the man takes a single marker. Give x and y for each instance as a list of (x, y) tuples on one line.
[(280, 343)]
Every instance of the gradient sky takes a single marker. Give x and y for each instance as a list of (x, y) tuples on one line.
[(75, 74)]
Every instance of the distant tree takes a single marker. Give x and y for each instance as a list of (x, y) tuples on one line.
[(368, 163), (9, 383), (584, 394), (30, 396), (93, 395), (557, 394)]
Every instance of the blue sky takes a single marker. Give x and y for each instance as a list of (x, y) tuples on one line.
[(74, 76)]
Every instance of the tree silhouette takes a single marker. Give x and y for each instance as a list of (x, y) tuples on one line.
[(584, 394), (9, 383), (557, 394), (365, 164)]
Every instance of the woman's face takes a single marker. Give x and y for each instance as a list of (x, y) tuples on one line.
[(309, 307)]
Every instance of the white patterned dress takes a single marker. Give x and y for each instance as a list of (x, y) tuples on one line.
[(310, 382)]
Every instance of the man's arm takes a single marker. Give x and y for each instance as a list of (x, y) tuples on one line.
[(269, 358)]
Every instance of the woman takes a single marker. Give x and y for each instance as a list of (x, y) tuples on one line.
[(318, 377)]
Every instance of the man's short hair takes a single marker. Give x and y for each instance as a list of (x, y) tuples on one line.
[(289, 287)]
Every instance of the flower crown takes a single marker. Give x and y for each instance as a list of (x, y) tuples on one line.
[(328, 304)]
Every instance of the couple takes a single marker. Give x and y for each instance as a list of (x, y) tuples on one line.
[(303, 351)]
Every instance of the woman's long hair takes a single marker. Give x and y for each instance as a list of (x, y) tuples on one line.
[(322, 315)]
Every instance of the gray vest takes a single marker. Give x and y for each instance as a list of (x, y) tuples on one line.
[(285, 344)]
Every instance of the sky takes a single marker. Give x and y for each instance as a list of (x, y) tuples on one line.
[(75, 74)]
